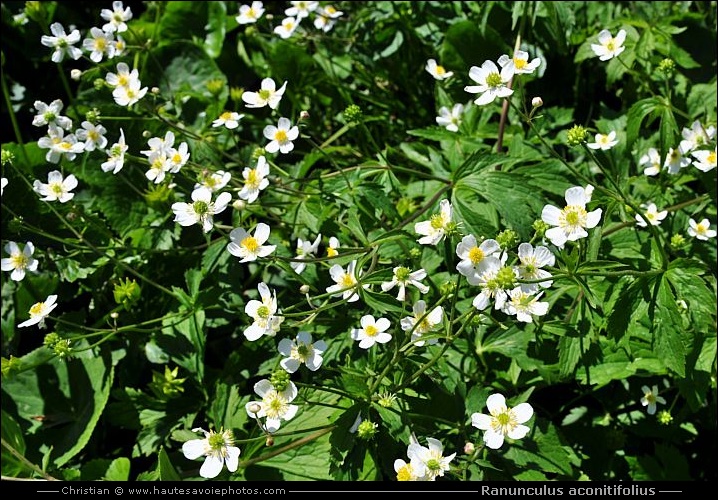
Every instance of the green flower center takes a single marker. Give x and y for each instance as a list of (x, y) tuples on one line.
[(493, 80), (56, 188), (503, 419), (49, 117), (402, 274), (263, 312), (433, 465), (506, 277), (264, 94), (218, 441), (200, 207)]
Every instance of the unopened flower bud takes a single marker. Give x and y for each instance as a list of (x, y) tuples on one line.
[(239, 204), (155, 90), (304, 115), (469, 448), (304, 289), (536, 102), (254, 408), (114, 315), (75, 74)]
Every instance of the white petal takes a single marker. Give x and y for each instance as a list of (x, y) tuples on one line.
[(211, 467), (493, 439), (263, 387), (382, 324), (232, 460), (291, 365), (481, 421), (518, 432), (576, 196), (194, 448), (285, 347), (496, 403), (261, 233), (523, 412)]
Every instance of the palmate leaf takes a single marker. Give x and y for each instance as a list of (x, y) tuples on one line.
[(508, 193), (667, 337), (58, 402)]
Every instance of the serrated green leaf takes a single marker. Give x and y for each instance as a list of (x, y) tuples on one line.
[(666, 329)]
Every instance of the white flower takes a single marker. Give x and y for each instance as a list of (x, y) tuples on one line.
[(429, 462), (405, 471), (524, 305), (520, 63), (332, 248), (372, 331), (652, 214), (248, 248), (305, 249), (264, 313), (60, 144), (450, 119), (4, 183), (101, 43), (472, 256), (214, 181), (326, 17), (281, 136), (502, 421), (120, 46), (255, 179), (159, 144), (301, 350), (701, 230), (346, 282), (434, 229), (250, 14), (116, 155), (607, 46), (706, 159), (301, 9), (494, 280), (127, 95), (229, 119), (93, 135), (604, 141), (116, 18), (178, 158), (437, 71), (49, 115), (491, 82), (696, 136), (676, 160), (287, 28), (62, 43), (275, 405), (422, 322), (217, 447), (532, 260), (39, 311), (202, 209), (650, 398), (57, 188), (19, 260), (159, 166), (268, 95), (404, 277), (572, 221), (651, 161), (124, 77)]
